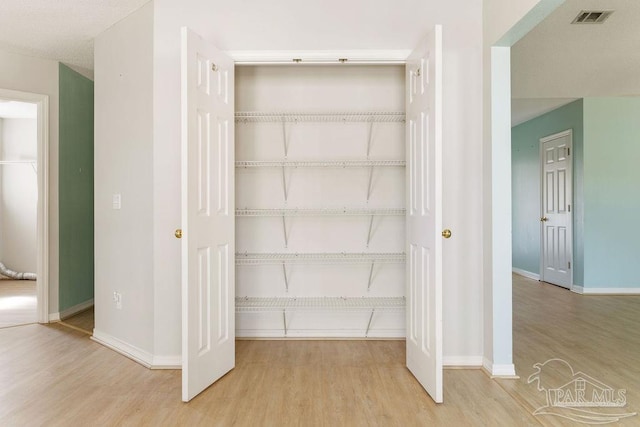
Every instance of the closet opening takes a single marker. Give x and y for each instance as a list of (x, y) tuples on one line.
[(330, 213), (18, 212), (320, 195)]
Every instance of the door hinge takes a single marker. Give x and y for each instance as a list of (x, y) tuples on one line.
[(568, 151), (569, 207), (569, 265)]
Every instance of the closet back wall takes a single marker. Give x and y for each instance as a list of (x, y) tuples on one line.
[(335, 90)]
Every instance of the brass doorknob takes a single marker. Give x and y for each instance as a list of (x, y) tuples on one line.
[(544, 219), (178, 233), (446, 233)]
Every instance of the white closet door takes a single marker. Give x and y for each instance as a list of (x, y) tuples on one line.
[(424, 213), (208, 215)]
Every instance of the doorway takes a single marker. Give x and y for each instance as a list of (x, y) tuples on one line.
[(18, 212), (24, 214), (555, 209)]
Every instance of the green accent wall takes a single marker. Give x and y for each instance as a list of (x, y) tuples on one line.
[(525, 184), (611, 195), (75, 165)]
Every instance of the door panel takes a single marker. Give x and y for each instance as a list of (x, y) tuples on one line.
[(556, 216), (208, 221), (424, 213)]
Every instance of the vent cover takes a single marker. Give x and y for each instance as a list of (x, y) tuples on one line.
[(592, 16)]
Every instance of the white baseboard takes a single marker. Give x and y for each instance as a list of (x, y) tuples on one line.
[(132, 352), (462, 361), (525, 273), (166, 362), (605, 291), (54, 317), (65, 314), (136, 354), (499, 371)]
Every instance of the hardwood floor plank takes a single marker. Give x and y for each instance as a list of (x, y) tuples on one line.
[(83, 321), (598, 335), (55, 376), (18, 302)]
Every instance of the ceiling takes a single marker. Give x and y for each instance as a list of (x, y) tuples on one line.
[(558, 62), (555, 63), (61, 30), (64, 30)]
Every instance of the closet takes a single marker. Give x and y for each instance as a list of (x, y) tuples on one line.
[(311, 199), (320, 200)]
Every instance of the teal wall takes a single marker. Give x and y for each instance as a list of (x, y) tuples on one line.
[(75, 163), (525, 176), (612, 192)]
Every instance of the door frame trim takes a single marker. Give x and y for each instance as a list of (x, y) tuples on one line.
[(542, 141), (315, 57), (42, 245)]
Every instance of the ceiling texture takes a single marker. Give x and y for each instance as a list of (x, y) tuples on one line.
[(558, 62), (62, 30), (554, 64)]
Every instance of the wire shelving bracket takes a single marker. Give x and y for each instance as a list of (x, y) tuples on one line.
[(288, 212), (245, 258), (318, 164), (32, 163), (371, 305)]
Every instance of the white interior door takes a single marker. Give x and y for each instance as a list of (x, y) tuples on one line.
[(424, 213), (555, 218), (208, 215)]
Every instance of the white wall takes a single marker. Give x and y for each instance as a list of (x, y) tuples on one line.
[(1, 231), (18, 195), (382, 26), (504, 22), (498, 17), (27, 74), (124, 165)]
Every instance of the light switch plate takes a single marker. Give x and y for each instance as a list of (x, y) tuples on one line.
[(117, 201)]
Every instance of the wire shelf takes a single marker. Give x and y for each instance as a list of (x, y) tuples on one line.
[(319, 164), (318, 258), (17, 162), (257, 305), (345, 117), (320, 212), (32, 163)]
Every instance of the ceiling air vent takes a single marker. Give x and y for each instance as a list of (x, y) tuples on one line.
[(592, 16)]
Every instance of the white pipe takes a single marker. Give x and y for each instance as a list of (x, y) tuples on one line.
[(15, 275)]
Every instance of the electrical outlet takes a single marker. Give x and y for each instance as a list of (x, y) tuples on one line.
[(117, 299)]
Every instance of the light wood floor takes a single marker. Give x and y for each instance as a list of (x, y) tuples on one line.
[(597, 335), (83, 321), (18, 303), (53, 375)]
